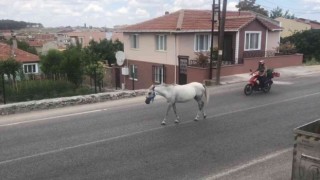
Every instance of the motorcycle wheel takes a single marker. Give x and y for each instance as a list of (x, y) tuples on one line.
[(248, 89), (266, 88)]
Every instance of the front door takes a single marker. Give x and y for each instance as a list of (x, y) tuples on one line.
[(228, 49), (183, 66)]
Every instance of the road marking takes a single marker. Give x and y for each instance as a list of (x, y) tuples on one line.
[(248, 164), (282, 82), (139, 132), (77, 146), (53, 117), (263, 105)]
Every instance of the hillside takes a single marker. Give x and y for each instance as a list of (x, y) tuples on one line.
[(16, 25)]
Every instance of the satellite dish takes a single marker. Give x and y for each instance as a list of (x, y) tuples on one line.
[(120, 57)]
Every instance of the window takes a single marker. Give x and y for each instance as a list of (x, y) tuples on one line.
[(202, 42), (161, 42), (252, 41), (81, 40), (30, 68), (133, 71), (134, 41), (158, 74)]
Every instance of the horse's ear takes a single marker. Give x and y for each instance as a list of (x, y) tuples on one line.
[(151, 87)]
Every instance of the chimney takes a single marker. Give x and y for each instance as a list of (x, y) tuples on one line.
[(166, 13), (14, 44)]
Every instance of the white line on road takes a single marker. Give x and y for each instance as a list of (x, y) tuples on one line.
[(77, 146), (282, 82), (53, 117), (139, 132), (248, 164), (263, 105)]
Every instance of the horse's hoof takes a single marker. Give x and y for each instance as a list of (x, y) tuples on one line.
[(196, 119), (205, 116), (176, 121), (163, 123)]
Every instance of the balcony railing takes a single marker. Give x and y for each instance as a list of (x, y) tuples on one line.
[(206, 64), (249, 54), (246, 54)]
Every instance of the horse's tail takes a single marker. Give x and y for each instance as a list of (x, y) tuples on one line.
[(206, 93)]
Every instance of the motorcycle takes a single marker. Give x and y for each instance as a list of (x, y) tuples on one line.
[(254, 85)]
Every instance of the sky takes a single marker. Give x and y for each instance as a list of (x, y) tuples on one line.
[(108, 13)]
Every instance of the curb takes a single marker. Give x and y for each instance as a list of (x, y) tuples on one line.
[(45, 104)]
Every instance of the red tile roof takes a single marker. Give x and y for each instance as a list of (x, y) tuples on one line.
[(198, 20), (35, 43), (21, 56)]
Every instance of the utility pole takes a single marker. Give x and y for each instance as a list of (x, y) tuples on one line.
[(212, 30), (221, 39), (3, 89)]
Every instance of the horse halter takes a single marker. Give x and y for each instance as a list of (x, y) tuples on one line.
[(151, 95)]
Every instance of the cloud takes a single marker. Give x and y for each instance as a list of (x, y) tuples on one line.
[(122, 10), (99, 13), (232, 6), (142, 13), (312, 1), (93, 8)]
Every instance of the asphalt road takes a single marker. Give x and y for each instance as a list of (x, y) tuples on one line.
[(124, 139)]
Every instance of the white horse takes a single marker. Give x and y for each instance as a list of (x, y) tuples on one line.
[(178, 94)]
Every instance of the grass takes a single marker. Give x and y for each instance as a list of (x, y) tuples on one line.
[(44, 89), (311, 62)]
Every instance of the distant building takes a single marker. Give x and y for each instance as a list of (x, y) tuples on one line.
[(313, 24), (84, 37), (290, 26)]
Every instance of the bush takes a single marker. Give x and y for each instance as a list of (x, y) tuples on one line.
[(306, 42), (287, 48), (36, 90), (312, 61)]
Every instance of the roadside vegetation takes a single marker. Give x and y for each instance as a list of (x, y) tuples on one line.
[(304, 42), (62, 73)]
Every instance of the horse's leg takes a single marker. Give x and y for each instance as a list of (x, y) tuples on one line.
[(175, 112), (165, 118), (199, 101), (202, 109)]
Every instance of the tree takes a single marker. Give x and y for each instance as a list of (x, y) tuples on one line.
[(11, 67), (307, 43), (93, 68), (26, 47), (106, 49), (249, 5), (51, 63), (72, 64), (277, 12)]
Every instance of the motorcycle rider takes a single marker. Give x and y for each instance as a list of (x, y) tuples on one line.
[(262, 72)]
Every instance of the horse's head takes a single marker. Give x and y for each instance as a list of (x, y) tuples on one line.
[(150, 95)]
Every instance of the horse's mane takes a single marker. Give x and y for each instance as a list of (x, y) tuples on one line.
[(166, 85)]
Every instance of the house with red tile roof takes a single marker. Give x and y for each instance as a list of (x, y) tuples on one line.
[(313, 24), (30, 62), (154, 48)]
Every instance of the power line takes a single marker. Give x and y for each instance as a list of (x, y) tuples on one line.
[(287, 7)]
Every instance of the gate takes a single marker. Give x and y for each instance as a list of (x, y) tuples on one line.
[(117, 78), (183, 66)]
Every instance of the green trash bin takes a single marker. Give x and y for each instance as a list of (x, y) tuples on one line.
[(306, 152)]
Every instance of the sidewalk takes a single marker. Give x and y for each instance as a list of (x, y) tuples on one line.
[(293, 71)]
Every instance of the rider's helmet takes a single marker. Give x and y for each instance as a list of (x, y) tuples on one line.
[(261, 62)]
